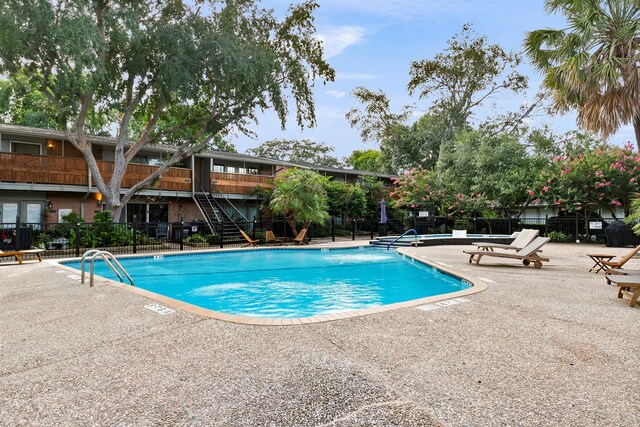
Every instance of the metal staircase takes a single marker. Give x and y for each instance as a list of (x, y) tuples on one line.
[(211, 206)]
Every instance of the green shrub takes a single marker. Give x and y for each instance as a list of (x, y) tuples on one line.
[(196, 238), (213, 239), (73, 218), (557, 236)]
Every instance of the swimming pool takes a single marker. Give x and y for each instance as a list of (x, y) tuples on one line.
[(287, 283)]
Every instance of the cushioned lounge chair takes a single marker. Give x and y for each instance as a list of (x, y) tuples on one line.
[(603, 261), (523, 238), (300, 238), (272, 239), (250, 242), (527, 255), (19, 254)]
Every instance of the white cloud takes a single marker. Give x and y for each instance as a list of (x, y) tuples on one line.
[(336, 40), (336, 93)]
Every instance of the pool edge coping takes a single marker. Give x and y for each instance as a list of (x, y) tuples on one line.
[(476, 287)]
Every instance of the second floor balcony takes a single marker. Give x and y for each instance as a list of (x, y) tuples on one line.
[(73, 171)]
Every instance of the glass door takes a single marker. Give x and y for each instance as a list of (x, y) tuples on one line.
[(8, 213)]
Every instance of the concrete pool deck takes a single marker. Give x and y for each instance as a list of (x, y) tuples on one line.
[(539, 347)]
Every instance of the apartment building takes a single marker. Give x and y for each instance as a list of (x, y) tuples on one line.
[(43, 177)]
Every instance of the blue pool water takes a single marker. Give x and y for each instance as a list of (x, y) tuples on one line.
[(286, 283)]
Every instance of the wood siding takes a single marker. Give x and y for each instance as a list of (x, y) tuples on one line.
[(178, 179), (42, 169), (72, 171), (233, 183)]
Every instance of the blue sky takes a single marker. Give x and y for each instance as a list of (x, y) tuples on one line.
[(372, 43)]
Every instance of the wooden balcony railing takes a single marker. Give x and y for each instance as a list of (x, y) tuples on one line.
[(235, 183), (42, 169), (74, 171), (178, 179)]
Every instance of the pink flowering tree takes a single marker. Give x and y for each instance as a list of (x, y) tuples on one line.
[(604, 177), (418, 188)]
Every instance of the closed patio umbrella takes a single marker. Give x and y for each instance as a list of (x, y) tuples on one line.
[(383, 212)]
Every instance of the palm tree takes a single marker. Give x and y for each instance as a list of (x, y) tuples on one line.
[(592, 65), (299, 194)]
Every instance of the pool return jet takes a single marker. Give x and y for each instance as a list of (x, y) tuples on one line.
[(411, 230)]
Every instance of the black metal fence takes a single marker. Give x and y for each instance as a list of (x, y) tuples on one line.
[(63, 240), (569, 229)]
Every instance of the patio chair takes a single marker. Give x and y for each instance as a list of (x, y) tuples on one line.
[(628, 286), (162, 232), (19, 254), (250, 242), (300, 238), (527, 255), (523, 238), (602, 262), (272, 239)]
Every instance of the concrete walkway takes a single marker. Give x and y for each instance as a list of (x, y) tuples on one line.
[(552, 347)]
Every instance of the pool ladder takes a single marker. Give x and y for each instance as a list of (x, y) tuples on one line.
[(411, 230), (111, 262)]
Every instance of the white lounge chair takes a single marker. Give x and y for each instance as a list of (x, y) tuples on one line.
[(523, 238), (527, 255)]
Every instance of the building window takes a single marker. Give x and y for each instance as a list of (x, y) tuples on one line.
[(158, 212), (242, 171), (26, 148), (148, 159), (148, 212), (253, 171), (231, 169), (8, 213), (218, 168), (137, 211), (34, 213)]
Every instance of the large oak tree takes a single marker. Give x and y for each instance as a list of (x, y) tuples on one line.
[(161, 72)]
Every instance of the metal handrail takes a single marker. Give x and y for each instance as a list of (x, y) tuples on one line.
[(404, 234), (109, 259), (229, 201), (208, 201)]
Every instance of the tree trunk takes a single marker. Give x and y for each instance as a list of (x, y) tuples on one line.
[(636, 130), (292, 223)]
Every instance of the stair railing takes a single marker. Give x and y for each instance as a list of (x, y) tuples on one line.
[(213, 209), (224, 196), (411, 230)]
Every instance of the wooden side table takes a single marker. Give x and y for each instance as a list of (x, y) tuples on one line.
[(597, 259)]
